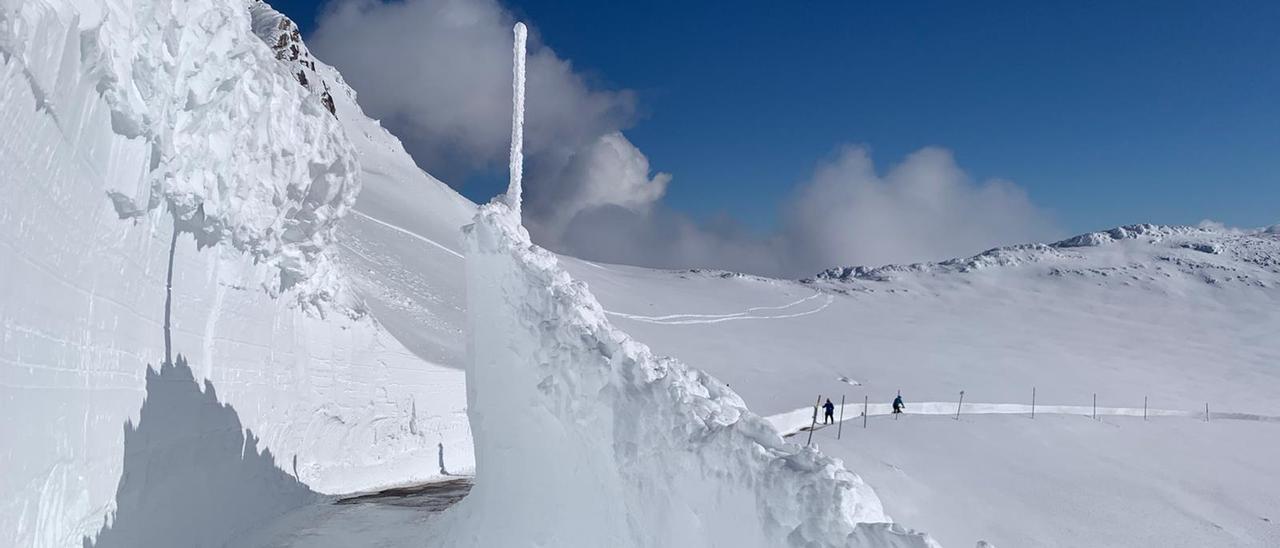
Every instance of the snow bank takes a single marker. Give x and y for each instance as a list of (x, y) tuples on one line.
[(237, 149), (144, 108), (585, 438)]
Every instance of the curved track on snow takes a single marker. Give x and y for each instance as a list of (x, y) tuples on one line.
[(748, 314)]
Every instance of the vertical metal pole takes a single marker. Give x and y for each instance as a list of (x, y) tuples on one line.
[(1144, 408), (864, 411), (1033, 402), (840, 425), (1206, 411), (1095, 406), (958, 405), (813, 424)]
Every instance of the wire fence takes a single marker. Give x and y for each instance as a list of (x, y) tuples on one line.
[(806, 419)]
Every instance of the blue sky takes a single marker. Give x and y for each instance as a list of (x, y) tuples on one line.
[(1106, 113)]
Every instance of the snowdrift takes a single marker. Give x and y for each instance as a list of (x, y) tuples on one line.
[(125, 122), (585, 438)]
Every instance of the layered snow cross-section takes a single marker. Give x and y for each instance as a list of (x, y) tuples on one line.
[(240, 149), (585, 438)]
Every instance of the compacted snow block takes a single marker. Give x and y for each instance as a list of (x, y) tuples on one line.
[(585, 438), (236, 146)]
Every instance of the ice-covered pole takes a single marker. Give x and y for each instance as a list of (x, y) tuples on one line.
[(517, 119)]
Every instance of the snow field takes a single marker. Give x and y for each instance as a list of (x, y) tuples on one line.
[(1063, 480), (1133, 316)]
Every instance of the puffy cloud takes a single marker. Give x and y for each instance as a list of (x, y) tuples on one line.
[(925, 208), (610, 171), (438, 72)]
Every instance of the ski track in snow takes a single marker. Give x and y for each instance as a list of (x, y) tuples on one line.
[(687, 319), (408, 233), (670, 319), (799, 420)]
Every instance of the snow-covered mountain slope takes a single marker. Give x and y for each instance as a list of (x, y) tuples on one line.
[(126, 119), (1182, 316)]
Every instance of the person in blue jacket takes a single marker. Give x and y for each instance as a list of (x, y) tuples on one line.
[(898, 406), (830, 417)]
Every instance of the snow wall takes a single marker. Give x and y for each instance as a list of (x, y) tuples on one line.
[(122, 118), (585, 438)]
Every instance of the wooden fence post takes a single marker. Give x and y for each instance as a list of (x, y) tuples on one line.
[(864, 410), (1095, 406), (840, 425), (814, 424), (1033, 402)]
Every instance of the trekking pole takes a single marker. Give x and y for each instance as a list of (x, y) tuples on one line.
[(896, 410), (1033, 402), (864, 411), (959, 404), (814, 424), (840, 425)]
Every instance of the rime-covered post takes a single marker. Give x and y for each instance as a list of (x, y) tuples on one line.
[(840, 425), (516, 167)]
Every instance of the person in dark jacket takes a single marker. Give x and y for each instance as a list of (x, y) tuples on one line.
[(898, 406), (830, 417)]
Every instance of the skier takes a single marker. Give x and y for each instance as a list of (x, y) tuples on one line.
[(898, 406), (830, 417)]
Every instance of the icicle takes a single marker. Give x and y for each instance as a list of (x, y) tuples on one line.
[(517, 120)]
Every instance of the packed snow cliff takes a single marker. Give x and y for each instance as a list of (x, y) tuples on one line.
[(585, 438), (236, 145), (173, 190)]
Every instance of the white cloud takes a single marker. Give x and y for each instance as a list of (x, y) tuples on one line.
[(610, 171), (925, 208), (438, 72)]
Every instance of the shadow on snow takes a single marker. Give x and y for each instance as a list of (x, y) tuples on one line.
[(193, 475)]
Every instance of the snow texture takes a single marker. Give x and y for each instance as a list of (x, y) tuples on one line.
[(1148, 315), (145, 109), (585, 438), (236, 149)]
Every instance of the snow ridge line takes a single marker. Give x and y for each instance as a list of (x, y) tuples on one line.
[(792, 422), (408, 233), (687, 319)]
